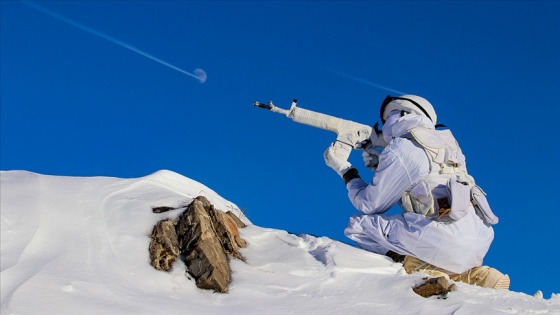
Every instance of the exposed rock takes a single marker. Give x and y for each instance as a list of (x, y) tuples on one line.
[(204, 237), (226, 232), (435, 286), (164, 246), (162, 209), (236, 219)]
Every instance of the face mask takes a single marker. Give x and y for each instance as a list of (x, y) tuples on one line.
[(388, 125)]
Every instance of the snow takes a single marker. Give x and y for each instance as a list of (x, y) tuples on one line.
[(79, 245)]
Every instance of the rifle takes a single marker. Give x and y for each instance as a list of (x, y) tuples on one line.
[(349, 133)]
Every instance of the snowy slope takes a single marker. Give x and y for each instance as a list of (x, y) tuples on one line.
[(79, 245)]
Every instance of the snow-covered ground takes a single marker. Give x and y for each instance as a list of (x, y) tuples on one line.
[(79, 245)]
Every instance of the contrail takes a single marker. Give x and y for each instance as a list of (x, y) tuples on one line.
[(198, 73), (379, 86)]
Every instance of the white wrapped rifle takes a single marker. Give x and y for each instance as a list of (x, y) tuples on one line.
[(349, 133)]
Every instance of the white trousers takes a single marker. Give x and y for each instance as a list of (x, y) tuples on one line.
[(455, 247)]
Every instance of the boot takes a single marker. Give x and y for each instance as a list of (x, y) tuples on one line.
[(485, 277), (482, 276)]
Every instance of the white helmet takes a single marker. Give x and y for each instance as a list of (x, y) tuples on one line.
[(408, 103)]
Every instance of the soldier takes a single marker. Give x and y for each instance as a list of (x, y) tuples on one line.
[(445, 229)]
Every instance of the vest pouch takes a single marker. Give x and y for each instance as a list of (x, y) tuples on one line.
[(419, 199), (481, 206), (460, 199)]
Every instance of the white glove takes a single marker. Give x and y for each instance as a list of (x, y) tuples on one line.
[(371, 157), (336, 157)]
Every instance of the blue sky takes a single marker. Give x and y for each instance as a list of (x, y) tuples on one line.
[(76, 102)]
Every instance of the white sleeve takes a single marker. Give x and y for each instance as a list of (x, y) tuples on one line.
[(396, 172)]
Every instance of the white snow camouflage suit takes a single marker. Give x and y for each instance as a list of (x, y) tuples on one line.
[(455, 246)]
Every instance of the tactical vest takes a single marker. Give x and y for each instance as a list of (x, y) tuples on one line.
[(448, 191)]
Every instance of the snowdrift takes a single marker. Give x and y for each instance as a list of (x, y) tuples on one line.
[(79, 245)]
